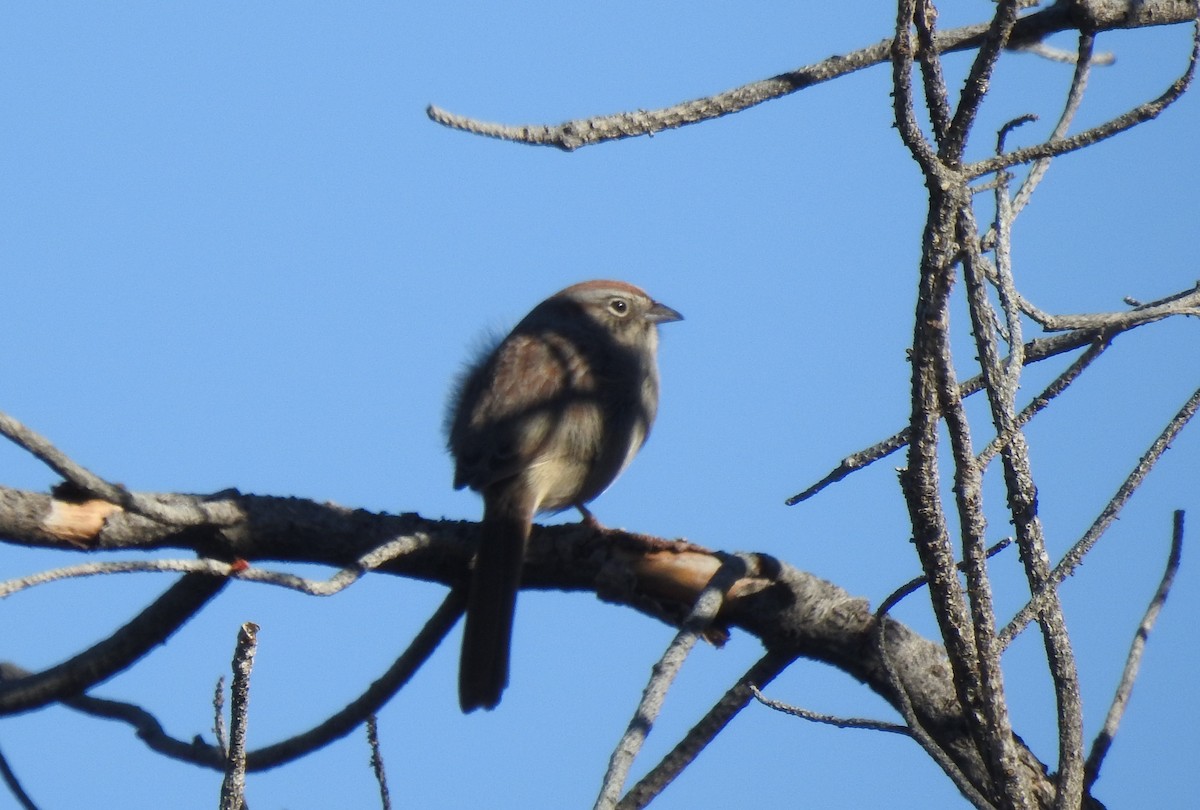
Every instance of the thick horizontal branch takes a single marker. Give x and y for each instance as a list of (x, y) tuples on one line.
[(1102, 15), (791, 612)]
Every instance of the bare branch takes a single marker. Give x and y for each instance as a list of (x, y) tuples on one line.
[(1056, 387), (236, 570), (14, 785), (1066, 57), (1187, 303), (148, 729), (1034, 351), (1098, 334), (920, 582), (704, 732), (373, 699), (978, 80), (795, 614), (830, 719), (732, 569), (214, 568), (219, 718), (937, 99), (385, 798), (167, 510), (148, 629), (934, 389), (1008, 370), (1022, 501), (1084, 60), (994, 732), (43, 450), (1133, 661), (1138, 115), (233, 788), (903, 105), (195, 751), (574, 134), (1077, 552), (903, 702), (853, 463)]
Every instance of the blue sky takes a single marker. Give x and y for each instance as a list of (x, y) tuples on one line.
[(235, 253)]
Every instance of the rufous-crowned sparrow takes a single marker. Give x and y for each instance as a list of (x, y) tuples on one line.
[(544, 422)]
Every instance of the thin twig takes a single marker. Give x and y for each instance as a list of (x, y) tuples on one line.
[(14, 785), (1035, 351), (120, 650), (830, 719), (1066, 57), (339, 581), (919, 582), (187, 512), (1009, 368), (373, 698), (385, 798), (1187, 303), (705, 610), (705, 731), (1056, 387), (1138, 115), (1077, 552), (233, 788), (150, 731), (1083, 60), (1133, 661), (1083, 67), (44, 451), (219, 718)]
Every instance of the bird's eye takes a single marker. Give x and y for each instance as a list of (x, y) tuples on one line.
[(618, 307)]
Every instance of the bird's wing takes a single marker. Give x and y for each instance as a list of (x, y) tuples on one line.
[(515, 397)]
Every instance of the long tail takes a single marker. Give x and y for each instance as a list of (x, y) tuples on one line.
[(483, 667)]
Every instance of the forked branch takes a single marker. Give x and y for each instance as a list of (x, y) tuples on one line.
[(1025, 31)]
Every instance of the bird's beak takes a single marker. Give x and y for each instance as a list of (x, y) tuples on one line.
[(661, 313)]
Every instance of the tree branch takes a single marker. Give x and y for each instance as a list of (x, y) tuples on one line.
[(197, 752), (1034, 351), (14, 785), (385, 796), (233, 788), (1022, 499), (572, 135), (703, 613), (978, 79), (793, 613), (916, 724), (830, 719), (1133, 661), (106, 658), (704, 732), (1071, 560), (1138, 115)]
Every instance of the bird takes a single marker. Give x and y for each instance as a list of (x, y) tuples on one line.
[(543, 422)]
